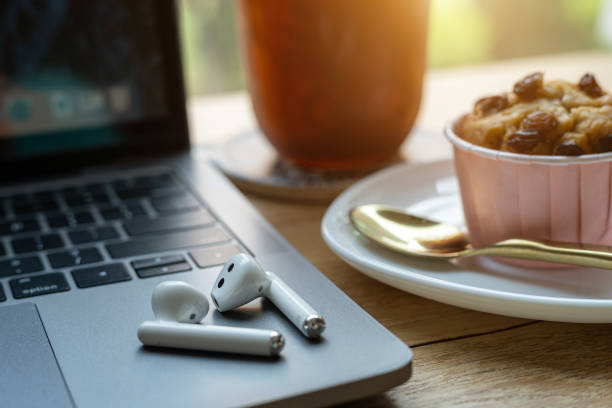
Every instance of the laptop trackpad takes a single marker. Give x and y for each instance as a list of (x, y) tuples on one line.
[(29, 374)]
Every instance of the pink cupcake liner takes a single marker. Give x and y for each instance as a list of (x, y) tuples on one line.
[(508, 195)]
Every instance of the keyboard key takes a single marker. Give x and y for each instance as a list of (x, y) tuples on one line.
[(100, 275), (156, 180), (2, 295), (169, 223), (163, 270), (74, 257), (37, 243), (2, 250), (57, 221), (149, 181), (47, 205), (19, 226), (168, 242), (142, 192), (24, 207), (88, 235), (84, 198), (22, 245), (175, 204), (157, 261), (111, 214), (69, 190), (51, 241), (123, 212), (70, 220), (17, 266), (39, 285), (132, 193), (30, 206), (19, 197), (212, 256), (44, 195), (74, 200), (95, 187)]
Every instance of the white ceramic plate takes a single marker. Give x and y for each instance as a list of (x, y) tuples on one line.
[(568, 295)]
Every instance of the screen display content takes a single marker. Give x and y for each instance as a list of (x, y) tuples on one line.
[(67, 66)]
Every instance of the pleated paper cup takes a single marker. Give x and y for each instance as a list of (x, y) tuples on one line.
[(508, 195)]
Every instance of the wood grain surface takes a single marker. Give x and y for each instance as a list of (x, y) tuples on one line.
[(461, 357)]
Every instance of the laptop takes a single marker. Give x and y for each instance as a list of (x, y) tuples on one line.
[(101, 200)]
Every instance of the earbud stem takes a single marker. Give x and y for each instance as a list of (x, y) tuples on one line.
[(301, 314), (211, 338)]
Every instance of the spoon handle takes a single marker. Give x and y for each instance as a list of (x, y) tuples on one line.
[(593, 256)]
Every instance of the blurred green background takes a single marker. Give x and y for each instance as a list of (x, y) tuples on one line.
[(460, 32)]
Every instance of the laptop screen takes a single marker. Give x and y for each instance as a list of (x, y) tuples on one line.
[(75, 75)]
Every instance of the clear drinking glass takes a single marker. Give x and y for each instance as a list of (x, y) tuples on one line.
[(335, 84)]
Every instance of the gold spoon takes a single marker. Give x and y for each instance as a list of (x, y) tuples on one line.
[(420, 237)]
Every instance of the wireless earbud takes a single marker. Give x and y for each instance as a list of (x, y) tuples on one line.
[(178, 305), (242, 279), (177, 301)]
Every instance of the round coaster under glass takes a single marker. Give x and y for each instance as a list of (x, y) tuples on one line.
[(255, 166)]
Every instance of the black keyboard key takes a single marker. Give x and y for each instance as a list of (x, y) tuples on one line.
[(156, 180), (84, 198), (149, 181), (31, 205), (163, 270), (175, 204), (19, 197), (2, 295), (74, 257), (111, 214), (212, 256), (83, 217), (95, 188), (51, 241), (45, 206), (57, 221), (157, 261), (22, 245), (100, 275), (37, 243), (39, 285), (19, 226), (2, 250), (70, 220), (142, 192), (74, 200), (45, 195), (17, 266), (88, 235), (170, 223), (132, 193), (69, 190), (98, 198), (24, 207), (120, 212), (168, 242)]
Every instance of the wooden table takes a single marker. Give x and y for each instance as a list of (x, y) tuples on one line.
[(461, 357)]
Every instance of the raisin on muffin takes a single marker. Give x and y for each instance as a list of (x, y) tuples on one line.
[(544, 118)]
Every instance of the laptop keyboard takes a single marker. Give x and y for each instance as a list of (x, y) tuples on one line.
[(106, 232)]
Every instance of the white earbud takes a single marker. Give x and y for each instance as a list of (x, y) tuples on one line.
[(177, 301), (242, 279), (177, 305)]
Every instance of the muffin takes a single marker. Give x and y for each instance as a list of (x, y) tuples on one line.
[(543, 118), (536, 163)]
